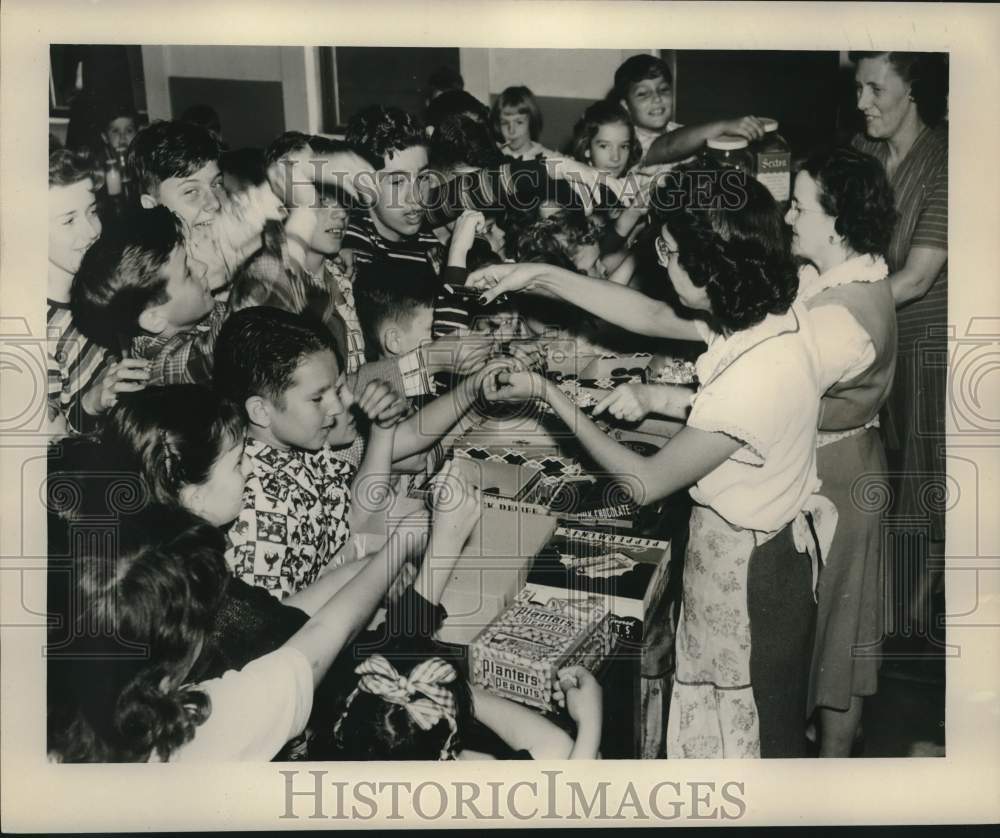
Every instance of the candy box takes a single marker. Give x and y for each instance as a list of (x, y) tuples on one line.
[(519, 655)]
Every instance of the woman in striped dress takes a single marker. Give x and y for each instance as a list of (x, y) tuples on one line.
[(903, 97)]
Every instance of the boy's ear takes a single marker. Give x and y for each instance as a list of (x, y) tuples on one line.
[(258, 411), (148, 201), (152, 320), (389, 338)]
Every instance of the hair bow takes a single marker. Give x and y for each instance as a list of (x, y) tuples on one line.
[(379, 677)]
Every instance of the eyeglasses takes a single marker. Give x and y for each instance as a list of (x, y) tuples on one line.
[(664, 250)]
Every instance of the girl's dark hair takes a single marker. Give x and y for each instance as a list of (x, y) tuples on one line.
[(731, 241), (605, 112), (375, 729), (461, 140), (453, 102), (523, 101), (927, 75), (175, 433), (142, 608), (853, 188), (247, 165)]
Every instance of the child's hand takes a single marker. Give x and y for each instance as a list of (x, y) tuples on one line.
[(463, 235), (577, 690), (459, 354), (628, 402), (457, 508), (527, 354), (126, 376), (381, 404), (749, 127), (517, 385)]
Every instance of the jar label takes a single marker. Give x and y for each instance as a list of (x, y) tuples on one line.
[(774, 170)]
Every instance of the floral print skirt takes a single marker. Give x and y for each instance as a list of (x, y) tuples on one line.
[(733, 699)]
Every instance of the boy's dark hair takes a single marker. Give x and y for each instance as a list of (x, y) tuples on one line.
[(68, 167), (285, 144), (169, 149), (121, 275), (636, 69), (246, 165), (260, 348), (460, 140), (113, 110), (153, 599), (204, 115), (455, 102), (444, 79), (853, 188), (377, 132), (388, 289), (174, 434), (522, 100)]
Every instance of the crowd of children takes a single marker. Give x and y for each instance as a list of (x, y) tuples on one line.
[(266, 339)]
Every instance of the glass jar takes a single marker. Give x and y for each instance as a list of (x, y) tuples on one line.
[(772, 159), (727, 150), (113, 178)]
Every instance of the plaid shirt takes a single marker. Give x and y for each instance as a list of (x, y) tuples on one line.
[(184, 357), (294, 516)]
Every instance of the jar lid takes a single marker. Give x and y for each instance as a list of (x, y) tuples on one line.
[(769, 124), (727, 142)]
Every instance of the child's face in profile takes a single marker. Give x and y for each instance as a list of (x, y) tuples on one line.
[(119, 133), (650, 103), (219, 499), (315, 409), (73, 224), (190, 298), (609, 149), (405, 334), (397, 213), (515, 128), (195, 197), (331, 222)]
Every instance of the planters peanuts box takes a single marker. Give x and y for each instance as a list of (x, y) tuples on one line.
[(620, 571), (519, 655)]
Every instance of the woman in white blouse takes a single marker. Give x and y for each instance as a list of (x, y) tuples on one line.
[(842, 217), (747, 453)]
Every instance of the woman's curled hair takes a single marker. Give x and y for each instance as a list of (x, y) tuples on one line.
[(853, 189), (731, 240), (143, 606)]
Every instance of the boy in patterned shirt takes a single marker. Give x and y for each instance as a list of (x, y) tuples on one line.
[(304, 463)]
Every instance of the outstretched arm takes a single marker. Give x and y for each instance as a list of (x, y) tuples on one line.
[(617, 304), (676, 145), (522, 729)]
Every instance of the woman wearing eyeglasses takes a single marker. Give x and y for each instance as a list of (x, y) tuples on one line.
[(747, 454)]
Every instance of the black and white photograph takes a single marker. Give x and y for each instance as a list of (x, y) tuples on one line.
[(478, 396)]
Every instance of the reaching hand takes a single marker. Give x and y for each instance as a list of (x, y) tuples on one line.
[(126, 376), (628, 402), (383, 405), (749, 127), (496, 280), (457, 508), (468, 224), (518, 385), (577, 690)]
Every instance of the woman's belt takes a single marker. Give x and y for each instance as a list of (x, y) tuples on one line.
[(824, 438)]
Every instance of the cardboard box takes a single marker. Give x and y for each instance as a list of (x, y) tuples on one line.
[(620, 570), (520, 653)]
